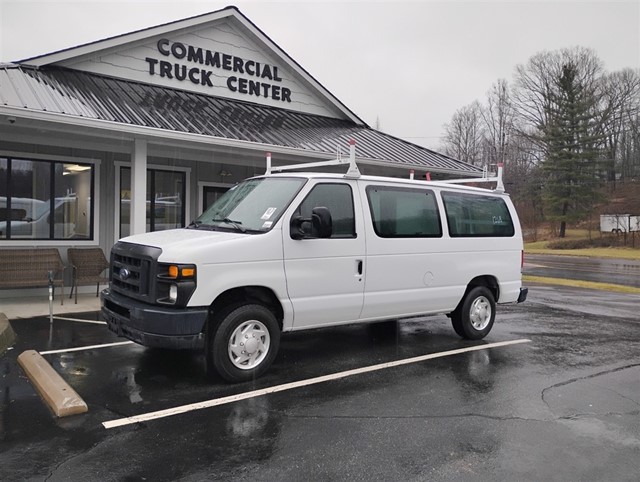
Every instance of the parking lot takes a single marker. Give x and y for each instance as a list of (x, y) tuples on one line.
[(553, 393)]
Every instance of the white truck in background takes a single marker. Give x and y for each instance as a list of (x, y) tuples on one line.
[(619, 223)]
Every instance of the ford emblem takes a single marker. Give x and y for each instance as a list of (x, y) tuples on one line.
[(124, 273)]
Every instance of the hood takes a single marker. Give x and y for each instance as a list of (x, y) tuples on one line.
[(175, 242)]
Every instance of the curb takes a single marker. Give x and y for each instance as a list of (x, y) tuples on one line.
[(7, 335), (58, 394)]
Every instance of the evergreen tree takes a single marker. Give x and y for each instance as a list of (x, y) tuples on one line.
[(573, 141)]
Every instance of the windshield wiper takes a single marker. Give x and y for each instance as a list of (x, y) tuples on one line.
[(195, 224), (235, 224)]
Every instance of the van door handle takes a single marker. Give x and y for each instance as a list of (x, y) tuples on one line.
[(359, 266)]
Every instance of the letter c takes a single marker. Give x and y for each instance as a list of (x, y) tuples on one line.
[(230, 84), (162, 44)]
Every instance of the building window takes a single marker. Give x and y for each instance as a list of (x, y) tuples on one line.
[(166, 192), (211, 194), (45, 200)]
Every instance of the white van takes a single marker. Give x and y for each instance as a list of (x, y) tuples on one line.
[(296, 251)]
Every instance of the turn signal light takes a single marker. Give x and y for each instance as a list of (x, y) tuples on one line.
[(176, 272)]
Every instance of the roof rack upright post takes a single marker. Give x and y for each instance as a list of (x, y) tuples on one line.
[(353, 172), (499, 182), (268, 171)]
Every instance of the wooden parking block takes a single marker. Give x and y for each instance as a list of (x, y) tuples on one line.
[(57, 393)]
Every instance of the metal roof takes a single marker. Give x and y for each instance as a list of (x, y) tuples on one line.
[(84, 95)]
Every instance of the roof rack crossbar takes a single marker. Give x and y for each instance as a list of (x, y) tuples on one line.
[(352, 172), (485, 178)]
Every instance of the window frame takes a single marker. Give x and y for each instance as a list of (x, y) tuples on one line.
[(386, 187)]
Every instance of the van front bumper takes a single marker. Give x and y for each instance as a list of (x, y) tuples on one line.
[(154, 326)]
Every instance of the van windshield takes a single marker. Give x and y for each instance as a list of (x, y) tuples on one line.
[(253, 206)]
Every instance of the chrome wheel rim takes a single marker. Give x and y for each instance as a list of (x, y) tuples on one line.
[(249, 345), (480, 313)]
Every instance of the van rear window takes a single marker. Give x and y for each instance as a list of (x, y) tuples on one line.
[(470, 216)]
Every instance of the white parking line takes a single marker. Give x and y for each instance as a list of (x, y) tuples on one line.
[(82, 348), (302, 383), (80, 320)]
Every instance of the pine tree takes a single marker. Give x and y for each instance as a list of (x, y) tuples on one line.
[(571, 168)]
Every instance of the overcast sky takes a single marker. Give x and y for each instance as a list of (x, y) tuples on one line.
[(409, 64)]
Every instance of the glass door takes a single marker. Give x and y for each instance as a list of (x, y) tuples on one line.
[(166, 194)]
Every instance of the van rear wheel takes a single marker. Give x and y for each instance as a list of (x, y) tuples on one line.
[(245, 343), (474, 317)]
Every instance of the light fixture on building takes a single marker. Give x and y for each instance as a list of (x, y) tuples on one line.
[(74, 169)]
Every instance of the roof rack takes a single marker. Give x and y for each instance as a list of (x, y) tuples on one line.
[(485, 178), (352, 173)]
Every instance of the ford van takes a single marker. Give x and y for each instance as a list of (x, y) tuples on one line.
[(294, 251)]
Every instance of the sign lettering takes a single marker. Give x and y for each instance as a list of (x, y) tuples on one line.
[(249, 76)]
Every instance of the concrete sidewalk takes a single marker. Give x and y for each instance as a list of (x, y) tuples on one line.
[(16, 308), (13, 309)]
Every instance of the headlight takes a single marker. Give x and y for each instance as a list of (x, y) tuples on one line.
[(173, 293), (175, 283)]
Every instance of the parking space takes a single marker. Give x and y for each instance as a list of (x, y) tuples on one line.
[(563, 406)]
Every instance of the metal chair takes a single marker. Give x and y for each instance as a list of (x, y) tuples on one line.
[(88, 265)]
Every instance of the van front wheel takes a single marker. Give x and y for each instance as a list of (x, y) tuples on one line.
[(474, 317), (245, 343)]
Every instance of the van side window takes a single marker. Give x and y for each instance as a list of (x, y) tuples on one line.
[(403, 212), (338, 198), (469, 215)]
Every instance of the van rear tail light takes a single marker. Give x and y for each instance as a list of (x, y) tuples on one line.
[(522, 259)]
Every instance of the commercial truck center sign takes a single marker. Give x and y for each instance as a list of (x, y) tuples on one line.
[(249, 76)]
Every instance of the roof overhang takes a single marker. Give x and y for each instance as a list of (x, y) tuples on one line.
[(117, 130)]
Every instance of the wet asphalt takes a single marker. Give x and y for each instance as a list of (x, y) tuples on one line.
[(617, 271), (565, 406)]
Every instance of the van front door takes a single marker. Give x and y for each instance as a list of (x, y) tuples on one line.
[(325, 277)]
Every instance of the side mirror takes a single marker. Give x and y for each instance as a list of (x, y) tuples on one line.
[(319, 225)]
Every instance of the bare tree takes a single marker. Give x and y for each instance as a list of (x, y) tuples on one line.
[(498, 117), (464, 135), (536, 83), (621, 107)]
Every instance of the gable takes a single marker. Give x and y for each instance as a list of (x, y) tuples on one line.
[(220, 54), (216, 60)]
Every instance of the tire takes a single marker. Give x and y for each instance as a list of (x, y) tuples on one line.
[(245, 343), (474, 317)]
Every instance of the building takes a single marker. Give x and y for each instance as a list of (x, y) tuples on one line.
[(142, 131)]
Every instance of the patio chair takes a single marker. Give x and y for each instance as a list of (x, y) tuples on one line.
[(88, 265)]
